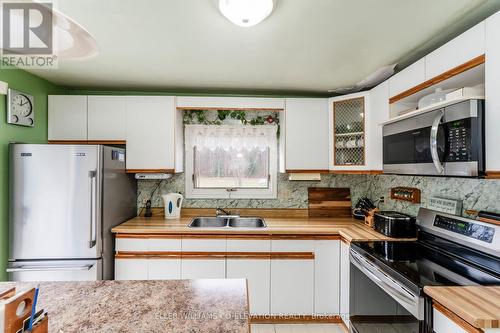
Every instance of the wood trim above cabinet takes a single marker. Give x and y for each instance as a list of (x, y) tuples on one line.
[(455, 318), (88, 142), (357, 172), (187, 108), (148, 255), (440, 78), (150, 170), (248, 255), (292, 255), (308, 171), (142, 236)]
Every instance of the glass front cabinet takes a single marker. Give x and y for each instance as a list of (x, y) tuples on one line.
[(348, 128)]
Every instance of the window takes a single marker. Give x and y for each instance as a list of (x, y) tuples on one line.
[(231, 161)]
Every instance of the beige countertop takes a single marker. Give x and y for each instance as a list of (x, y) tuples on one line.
[(180, 306), (477, 305), (347, 228)]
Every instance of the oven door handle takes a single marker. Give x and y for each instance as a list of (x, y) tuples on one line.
[(381, 283), (433, 143)]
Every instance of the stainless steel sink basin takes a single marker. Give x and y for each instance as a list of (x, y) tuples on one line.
[(247, 222), (227, 222), (208, 222)]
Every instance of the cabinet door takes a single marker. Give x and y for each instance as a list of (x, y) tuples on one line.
[(344, 281), (306, 122), (206, 268), (443, 324), (151, 125), (131, 269), (347, 120), (456, 52), (379, 112), (409, 77), (106, 117), (326, 277), (164, 269), (257, 272), (292, 280), (67, 117), (292, 284), (492, 113)]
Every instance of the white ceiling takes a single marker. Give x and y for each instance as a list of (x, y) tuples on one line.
[(304, 46)]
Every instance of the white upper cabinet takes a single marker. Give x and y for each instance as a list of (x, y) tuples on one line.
[(187, 102), (456, 52), (153, 134), (408, 78), (106, 118), (379, 112), (492, 84), (307, 135), (67, 117)]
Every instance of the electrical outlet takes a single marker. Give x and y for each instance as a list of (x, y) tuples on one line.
[(381, 200)]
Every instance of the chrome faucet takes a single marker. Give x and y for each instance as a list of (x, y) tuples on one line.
[(223, 212)]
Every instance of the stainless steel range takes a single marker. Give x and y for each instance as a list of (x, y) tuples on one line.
[(387, 278)]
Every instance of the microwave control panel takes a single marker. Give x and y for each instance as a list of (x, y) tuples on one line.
[(458, 137)]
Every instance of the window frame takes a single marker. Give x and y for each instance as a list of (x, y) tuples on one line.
[(239, 193)]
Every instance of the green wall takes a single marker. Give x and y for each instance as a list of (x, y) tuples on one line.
[(39, 88)]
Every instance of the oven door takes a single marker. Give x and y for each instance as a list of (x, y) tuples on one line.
[(378, 303)]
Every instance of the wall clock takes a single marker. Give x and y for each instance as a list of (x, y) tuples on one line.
[(20, 108)]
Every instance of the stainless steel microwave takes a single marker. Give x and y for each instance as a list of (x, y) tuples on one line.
[(444, 142)]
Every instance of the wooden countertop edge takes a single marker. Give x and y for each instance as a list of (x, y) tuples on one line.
[(446, 304)]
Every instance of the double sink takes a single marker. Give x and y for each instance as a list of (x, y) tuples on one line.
[(227, 222)]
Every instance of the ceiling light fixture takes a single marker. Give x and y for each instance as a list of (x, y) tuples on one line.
[(246, 13)]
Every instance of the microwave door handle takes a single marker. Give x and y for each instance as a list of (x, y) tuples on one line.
[(434, 149)]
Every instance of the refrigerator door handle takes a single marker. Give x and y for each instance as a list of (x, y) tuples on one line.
[(93, 209), (27, 268)]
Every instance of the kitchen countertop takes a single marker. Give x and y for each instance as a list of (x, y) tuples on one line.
[(349, 229), (144, 306), (477, 305)]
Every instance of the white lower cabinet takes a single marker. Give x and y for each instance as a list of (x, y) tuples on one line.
[(131, 269), (326, 277), (443, 324), (292, 287), (203, 268), (344, 282), (285, 276), (257, 272), (164, 269)]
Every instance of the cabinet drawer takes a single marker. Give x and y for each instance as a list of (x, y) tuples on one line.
[(291, 245), (131, 244), (203, 244), (251, 245), (164, 244)]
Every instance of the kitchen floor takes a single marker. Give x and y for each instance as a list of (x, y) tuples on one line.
[(297, 328)]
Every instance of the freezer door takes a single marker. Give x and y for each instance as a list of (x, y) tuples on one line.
[(66, 270), (55, 201)]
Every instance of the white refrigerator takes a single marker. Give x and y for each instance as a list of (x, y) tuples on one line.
[(64, 200)]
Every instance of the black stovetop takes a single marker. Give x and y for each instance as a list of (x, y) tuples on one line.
[(431, 261)]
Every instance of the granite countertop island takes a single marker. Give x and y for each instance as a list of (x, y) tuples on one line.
[(144, 306)]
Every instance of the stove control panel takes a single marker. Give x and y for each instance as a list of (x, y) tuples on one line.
[(469, 229)]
